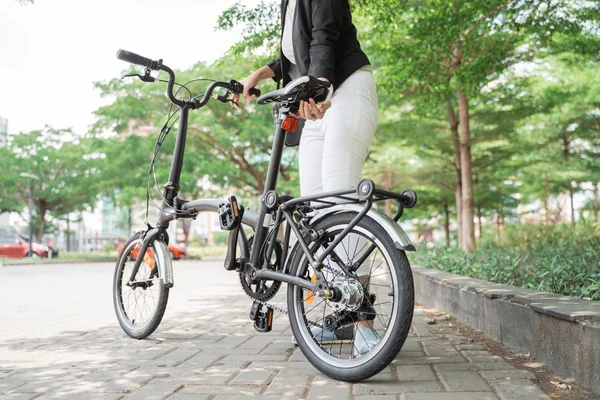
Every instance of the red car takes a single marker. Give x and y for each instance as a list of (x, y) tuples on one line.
[(176, 251), (14, 246)]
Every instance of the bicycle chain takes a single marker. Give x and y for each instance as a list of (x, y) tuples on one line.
[(281, 310)]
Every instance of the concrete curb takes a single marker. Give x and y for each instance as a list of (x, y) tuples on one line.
[(562, 332)]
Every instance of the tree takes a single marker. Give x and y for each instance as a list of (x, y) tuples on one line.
[(443, 52), (66, 168)]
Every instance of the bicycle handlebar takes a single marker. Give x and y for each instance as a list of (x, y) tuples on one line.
[(232, 86), (133, 58)]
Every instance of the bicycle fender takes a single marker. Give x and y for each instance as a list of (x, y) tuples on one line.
[(398, 235), (164, 262)]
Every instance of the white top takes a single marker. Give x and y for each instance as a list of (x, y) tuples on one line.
[(287, 43)]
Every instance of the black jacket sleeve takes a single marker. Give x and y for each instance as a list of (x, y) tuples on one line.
[(327, 24), (275, 66)]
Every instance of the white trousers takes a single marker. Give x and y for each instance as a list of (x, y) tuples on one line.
[(333, 150)]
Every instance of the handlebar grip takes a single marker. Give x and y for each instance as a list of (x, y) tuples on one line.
[(254, 92), (136, 59)]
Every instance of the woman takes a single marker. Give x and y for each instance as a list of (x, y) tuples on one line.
[(319, 39)]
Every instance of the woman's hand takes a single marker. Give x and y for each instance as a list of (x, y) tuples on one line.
[(310, 110), (313, 111), (249, 83)]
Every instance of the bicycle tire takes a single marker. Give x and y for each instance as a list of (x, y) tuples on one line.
[(127, 318), (381, 355)]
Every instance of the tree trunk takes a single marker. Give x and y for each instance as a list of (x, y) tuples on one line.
[(467, 206), (572, 204), (458, 189), (68, 233), (500, 222), (388, 186), (595, 203), (479, 221), (546, 199), (447, 223), (42, 226), (566, 142)]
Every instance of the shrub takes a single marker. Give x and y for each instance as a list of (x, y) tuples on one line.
[(558, 259)]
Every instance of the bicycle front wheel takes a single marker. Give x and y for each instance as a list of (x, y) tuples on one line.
[(140, 304), (358, 333)]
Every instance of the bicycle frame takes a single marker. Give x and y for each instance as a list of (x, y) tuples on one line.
[(174, 208)]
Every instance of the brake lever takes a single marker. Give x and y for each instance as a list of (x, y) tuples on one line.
[(145, 78), (224, 98)]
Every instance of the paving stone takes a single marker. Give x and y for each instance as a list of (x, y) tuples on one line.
[(376, 397), (153, 391), (8, 385), (326, 389), (457, 381), (257, 357), (484, 358), (396, 387), (415, 373), (51, 386), (384, 375), (474, 353), (297, 355), (20, 396), (469, 346), (429, 360), (411, 345), (288, 385), (200, 361), (254, 377), (177, 357), (79, 396), (500, 365), (283, 347), (450, 396), (517, 389), (511, 374), (438, 350), (262, 397), (257, 343), (189, 396), (405, 354), (298, 368), (122, 385), (230, 342), (229, 390)]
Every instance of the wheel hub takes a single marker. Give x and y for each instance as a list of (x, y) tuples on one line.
[(349, 294)]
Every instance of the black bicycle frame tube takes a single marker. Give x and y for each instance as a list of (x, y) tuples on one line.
[(264, 218), (172, 186)]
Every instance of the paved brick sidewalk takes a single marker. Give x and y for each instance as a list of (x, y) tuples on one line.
[(212, 352)]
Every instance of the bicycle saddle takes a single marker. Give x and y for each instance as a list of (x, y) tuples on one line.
[(303, 88)]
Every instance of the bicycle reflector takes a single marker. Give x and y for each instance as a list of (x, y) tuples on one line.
[(290, 124)]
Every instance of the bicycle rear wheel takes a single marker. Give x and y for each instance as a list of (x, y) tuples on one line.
[(139, 305), (375, 304)]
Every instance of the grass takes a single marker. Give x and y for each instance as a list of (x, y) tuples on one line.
[(558, 259)]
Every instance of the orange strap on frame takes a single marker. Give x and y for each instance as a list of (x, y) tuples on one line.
[(290, 124)]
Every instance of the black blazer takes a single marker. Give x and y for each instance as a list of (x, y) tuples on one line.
[(325, 42)]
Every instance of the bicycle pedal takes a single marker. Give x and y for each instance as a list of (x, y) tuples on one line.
[(229, 214), (263, 321)]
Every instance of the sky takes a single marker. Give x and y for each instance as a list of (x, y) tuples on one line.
[(51, 52)]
